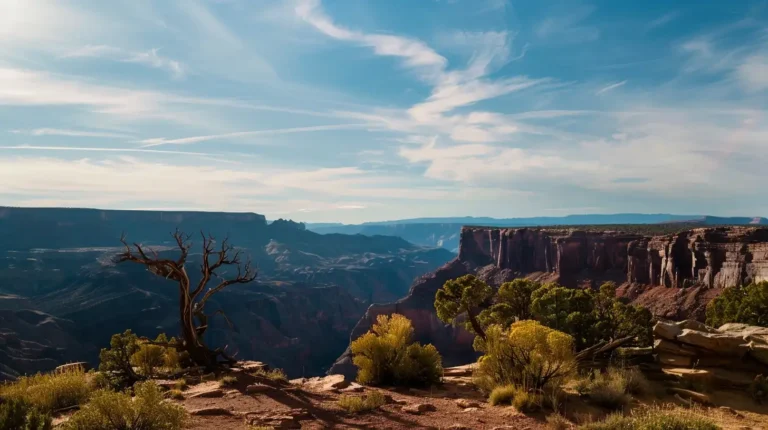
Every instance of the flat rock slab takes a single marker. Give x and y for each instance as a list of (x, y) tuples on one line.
[(211, 411), (207, 394), (728, 344), (419, 408)]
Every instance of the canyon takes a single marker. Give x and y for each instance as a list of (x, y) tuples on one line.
[(674, 274), (62, 296)]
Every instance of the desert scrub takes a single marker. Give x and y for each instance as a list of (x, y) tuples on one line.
[(521, 399), (227, 381), (558, 422), (357, 404), (146, 411), (655, 418), (15, 414), (613, 389), (502, 395), (50, 391), (386, 355), (181, 384), (277, 375), (176, 394), (527, 354)]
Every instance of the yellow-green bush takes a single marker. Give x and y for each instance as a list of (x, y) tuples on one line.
[(16, 414), (502, 395), (228, 381), (386, 355), (127, 352), (49, 392), (113, 410), (527, 354), (356, 404), (148, 359)]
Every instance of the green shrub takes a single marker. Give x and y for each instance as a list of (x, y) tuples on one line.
[(357, 404), (227, 381), (502, 395), (127, 352), (528, 354), (526, 401), (655, 419), (558, 422), (148, 359), (613, 388), (113, 410), (385, 355), (16, 414), (51, 391), (744, 304)]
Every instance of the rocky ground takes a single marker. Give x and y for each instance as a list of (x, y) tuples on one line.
[(254, 401)]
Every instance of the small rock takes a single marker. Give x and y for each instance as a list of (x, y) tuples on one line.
[(471, 409), (464, 404), (253, 366), (691, 395), (207, 394), (459, 427), (354, 387), (418, 408), (256, 388), (391, 400), (210, 411)]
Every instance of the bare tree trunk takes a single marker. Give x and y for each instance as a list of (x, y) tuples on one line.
[(191, 305)]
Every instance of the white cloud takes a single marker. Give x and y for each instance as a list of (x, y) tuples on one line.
[(610, 87), (100, 149), (662, 20), (71, 133), (197, 139), (149, 58)]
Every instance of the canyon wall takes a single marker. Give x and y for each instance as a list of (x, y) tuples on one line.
[(674, 275)]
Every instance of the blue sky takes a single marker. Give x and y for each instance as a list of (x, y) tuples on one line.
[(357, 110)]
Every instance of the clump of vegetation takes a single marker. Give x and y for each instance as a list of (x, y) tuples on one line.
[(49, 392), (277, 375), (16, 414), (145, 411), (357, 404), (386, 355), (589, 316), (527, 354), (128, 352), (744, 304), (613, 389), (558, 422), (227, 381), (176, 394), (502, 395), (181, 384), (655, 419)]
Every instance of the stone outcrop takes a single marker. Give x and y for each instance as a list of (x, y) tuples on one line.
[(674, 275), (732, 354)]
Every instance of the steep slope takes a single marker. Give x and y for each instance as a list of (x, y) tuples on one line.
[(674, 275), (310, 292)]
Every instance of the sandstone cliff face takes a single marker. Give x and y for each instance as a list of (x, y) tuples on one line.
[(675, 276)]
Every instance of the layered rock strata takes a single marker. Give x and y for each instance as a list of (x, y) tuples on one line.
[(675, 276)]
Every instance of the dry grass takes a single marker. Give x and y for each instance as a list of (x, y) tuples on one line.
[(357, 404), (277, 375), (656, 418), (181, 384), (613, 389), (227, 381), (502, 395), (49, 392), (176, 394), (558, 422), (520, 398)]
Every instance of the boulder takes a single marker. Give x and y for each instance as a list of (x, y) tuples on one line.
[(696, 325), (325, 383), (418, 408), (666, 330), (663, 346), (727, 344), (464, 403), (675, 360), (758, 351)]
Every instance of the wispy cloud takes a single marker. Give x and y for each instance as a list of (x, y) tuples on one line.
[(98, 149), (610, 87), (149, 58), (753, 72), (71, 133), (157, 141), (566, 26), (662, 20)]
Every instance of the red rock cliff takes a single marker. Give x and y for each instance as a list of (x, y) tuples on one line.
[(675, 276)]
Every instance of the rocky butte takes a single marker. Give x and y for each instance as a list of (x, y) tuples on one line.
[(674, 275)]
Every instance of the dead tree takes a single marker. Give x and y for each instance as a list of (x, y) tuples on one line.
[(192, 300)]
